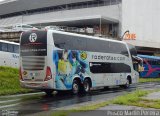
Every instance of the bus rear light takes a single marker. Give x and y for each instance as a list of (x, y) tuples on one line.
[(48, 74), (20, 74)]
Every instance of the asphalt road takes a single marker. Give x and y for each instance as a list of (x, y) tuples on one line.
[(37, 102)]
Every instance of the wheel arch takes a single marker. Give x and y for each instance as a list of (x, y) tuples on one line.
[(129, 78)]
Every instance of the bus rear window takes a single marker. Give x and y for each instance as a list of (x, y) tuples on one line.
[(33, 43)]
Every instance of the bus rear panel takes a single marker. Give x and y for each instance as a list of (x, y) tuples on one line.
[(34, 71)]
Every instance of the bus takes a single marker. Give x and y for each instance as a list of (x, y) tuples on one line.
[(55, 60), (150, 66), (9, 54)]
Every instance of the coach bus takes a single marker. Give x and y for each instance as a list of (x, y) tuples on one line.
[(9, 54), (55, 60), (151, 66)]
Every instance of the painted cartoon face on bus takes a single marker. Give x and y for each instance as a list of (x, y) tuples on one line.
[(68, 65)]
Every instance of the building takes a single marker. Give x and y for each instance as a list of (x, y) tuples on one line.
[(110, 18)]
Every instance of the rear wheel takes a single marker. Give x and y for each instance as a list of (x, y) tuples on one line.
[(86, 85), (127, 85), (75, 87)]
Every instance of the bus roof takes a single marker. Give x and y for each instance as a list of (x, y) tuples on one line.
[(92, 37), (150, 57), (3, 41)]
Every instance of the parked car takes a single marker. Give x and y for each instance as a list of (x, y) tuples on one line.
[(23, 27)]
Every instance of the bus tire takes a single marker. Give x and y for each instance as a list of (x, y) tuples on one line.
[(76, 87), (86, 85), (48, 91), (127, 85)]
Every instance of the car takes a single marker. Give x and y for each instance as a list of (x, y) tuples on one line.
[(23, 27)]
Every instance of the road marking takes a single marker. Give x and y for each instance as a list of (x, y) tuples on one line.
[(21, 95), (7, 101), (11, 105)]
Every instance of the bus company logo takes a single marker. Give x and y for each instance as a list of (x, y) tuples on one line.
[(33, 37), (83, 55), (25, 73)]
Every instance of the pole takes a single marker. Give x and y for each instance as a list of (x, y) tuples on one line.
[(100, 26)]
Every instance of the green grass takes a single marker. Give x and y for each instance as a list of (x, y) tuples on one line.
[(131, 98), (9, 81), (144, 80), (135, 99)]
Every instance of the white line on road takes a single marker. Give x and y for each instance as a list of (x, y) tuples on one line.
[(7, 101), (11, 105)]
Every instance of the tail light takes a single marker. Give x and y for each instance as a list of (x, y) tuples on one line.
[(48, 74), (20, 74)]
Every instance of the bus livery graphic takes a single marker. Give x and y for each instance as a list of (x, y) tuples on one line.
[(68, 64), (151, 65)]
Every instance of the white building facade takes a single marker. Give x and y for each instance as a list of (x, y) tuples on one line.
[(140, 17)]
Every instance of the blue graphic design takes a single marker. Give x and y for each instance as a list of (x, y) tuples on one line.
[(68, 64)]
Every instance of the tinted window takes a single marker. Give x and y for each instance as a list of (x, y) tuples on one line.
[(10, 48), (99, 67), (97, 45), (106, 47), (132, 49), (0, 46), (16, 49), (70, 42), (4, 47)]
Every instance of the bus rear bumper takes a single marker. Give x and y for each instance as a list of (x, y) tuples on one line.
[(37, 85)]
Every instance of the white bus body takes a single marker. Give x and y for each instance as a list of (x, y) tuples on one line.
[(9, 54), (56, 60)]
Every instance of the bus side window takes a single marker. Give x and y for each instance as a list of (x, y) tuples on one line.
[(62, 41), (16, 49), (97, 46), (135, 66), (4, 47), (79, 43), (10, 48), (0, 46)]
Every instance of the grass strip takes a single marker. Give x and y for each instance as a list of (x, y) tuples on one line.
[(9, 81), (135, 99), (145, 80)]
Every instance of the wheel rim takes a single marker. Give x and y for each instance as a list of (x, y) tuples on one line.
[(75, 88), (127, 84), (86, 86)]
